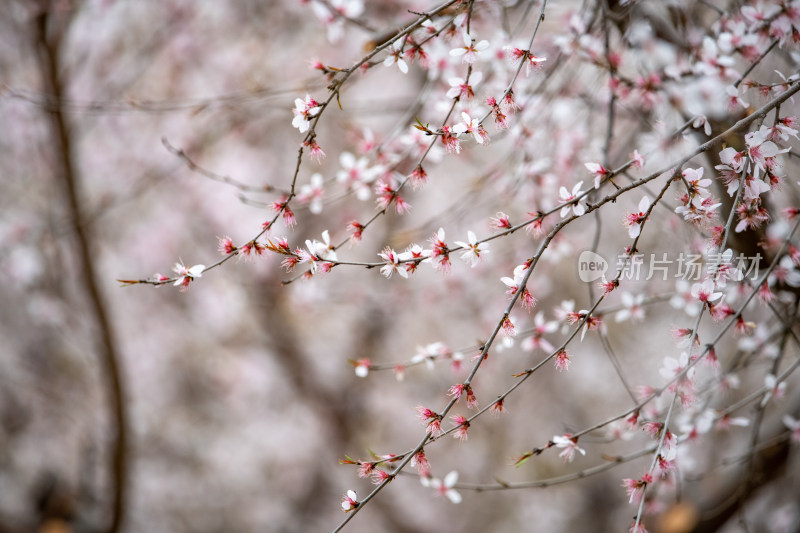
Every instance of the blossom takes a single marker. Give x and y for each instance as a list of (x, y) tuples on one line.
[(675, 367), (704, 292), (450, 140), (562, 361), (356, 228), (393, 264), (462, 426), (312, 193), (751, 215), (734, 100), (633, 307), (186, 275), (473, 126), (356, 174), (433, 420), (531, 61), (599, 171), (334, 13), (350, 501), (774, 389), (571, 198), (500, 119), (413, 256), (304, 110), (396, 57), (540, 327), (460, 88), (440, 254), (794, 426), (760, 150), (226, 246), (362, 367), (637, 159), (469, 51), (570, 446), (319, 254), (472, 249), (500, 221), (418, 177), (315, 152), (444, 488), (421, 462), (508, 328), (635, 220), (282, 206), (635, 487)]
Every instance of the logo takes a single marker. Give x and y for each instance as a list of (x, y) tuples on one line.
[(591, 266)]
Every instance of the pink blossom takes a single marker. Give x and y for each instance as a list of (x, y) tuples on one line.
[(393, 264), (507, 327), (440, 253), (705, 292), (569, 445), (433, 420), (460, 88), (635, 487), (473, 249), (562, 361), (469, 52), (450, 140), (599, 171), (421, 462), (637, 159), (186, 275), (444, 488), (571, 201), (634, 221), (462, 426), (395, 57), (362, 367), (500, 120), (350, 501), (794, 426), (633, 307), (315, 152), (418, 178), (473, 126), (312, 194), (356, 229), (304, 110), (500, 221), (226, 246)]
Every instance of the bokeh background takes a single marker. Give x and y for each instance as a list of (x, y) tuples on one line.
[(239, 399)]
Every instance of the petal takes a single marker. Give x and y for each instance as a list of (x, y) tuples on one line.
[(453, 496), (450, 479), (197, 271)]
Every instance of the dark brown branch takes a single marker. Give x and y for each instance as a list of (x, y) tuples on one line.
[(65, 172)]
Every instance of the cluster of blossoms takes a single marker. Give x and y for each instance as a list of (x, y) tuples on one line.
[(697, 205), (380, 171), (405, 263), (757, 170)]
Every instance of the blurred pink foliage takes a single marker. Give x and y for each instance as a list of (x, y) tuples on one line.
[(591, 209)]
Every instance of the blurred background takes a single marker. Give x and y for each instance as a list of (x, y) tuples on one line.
[(236, 400)]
